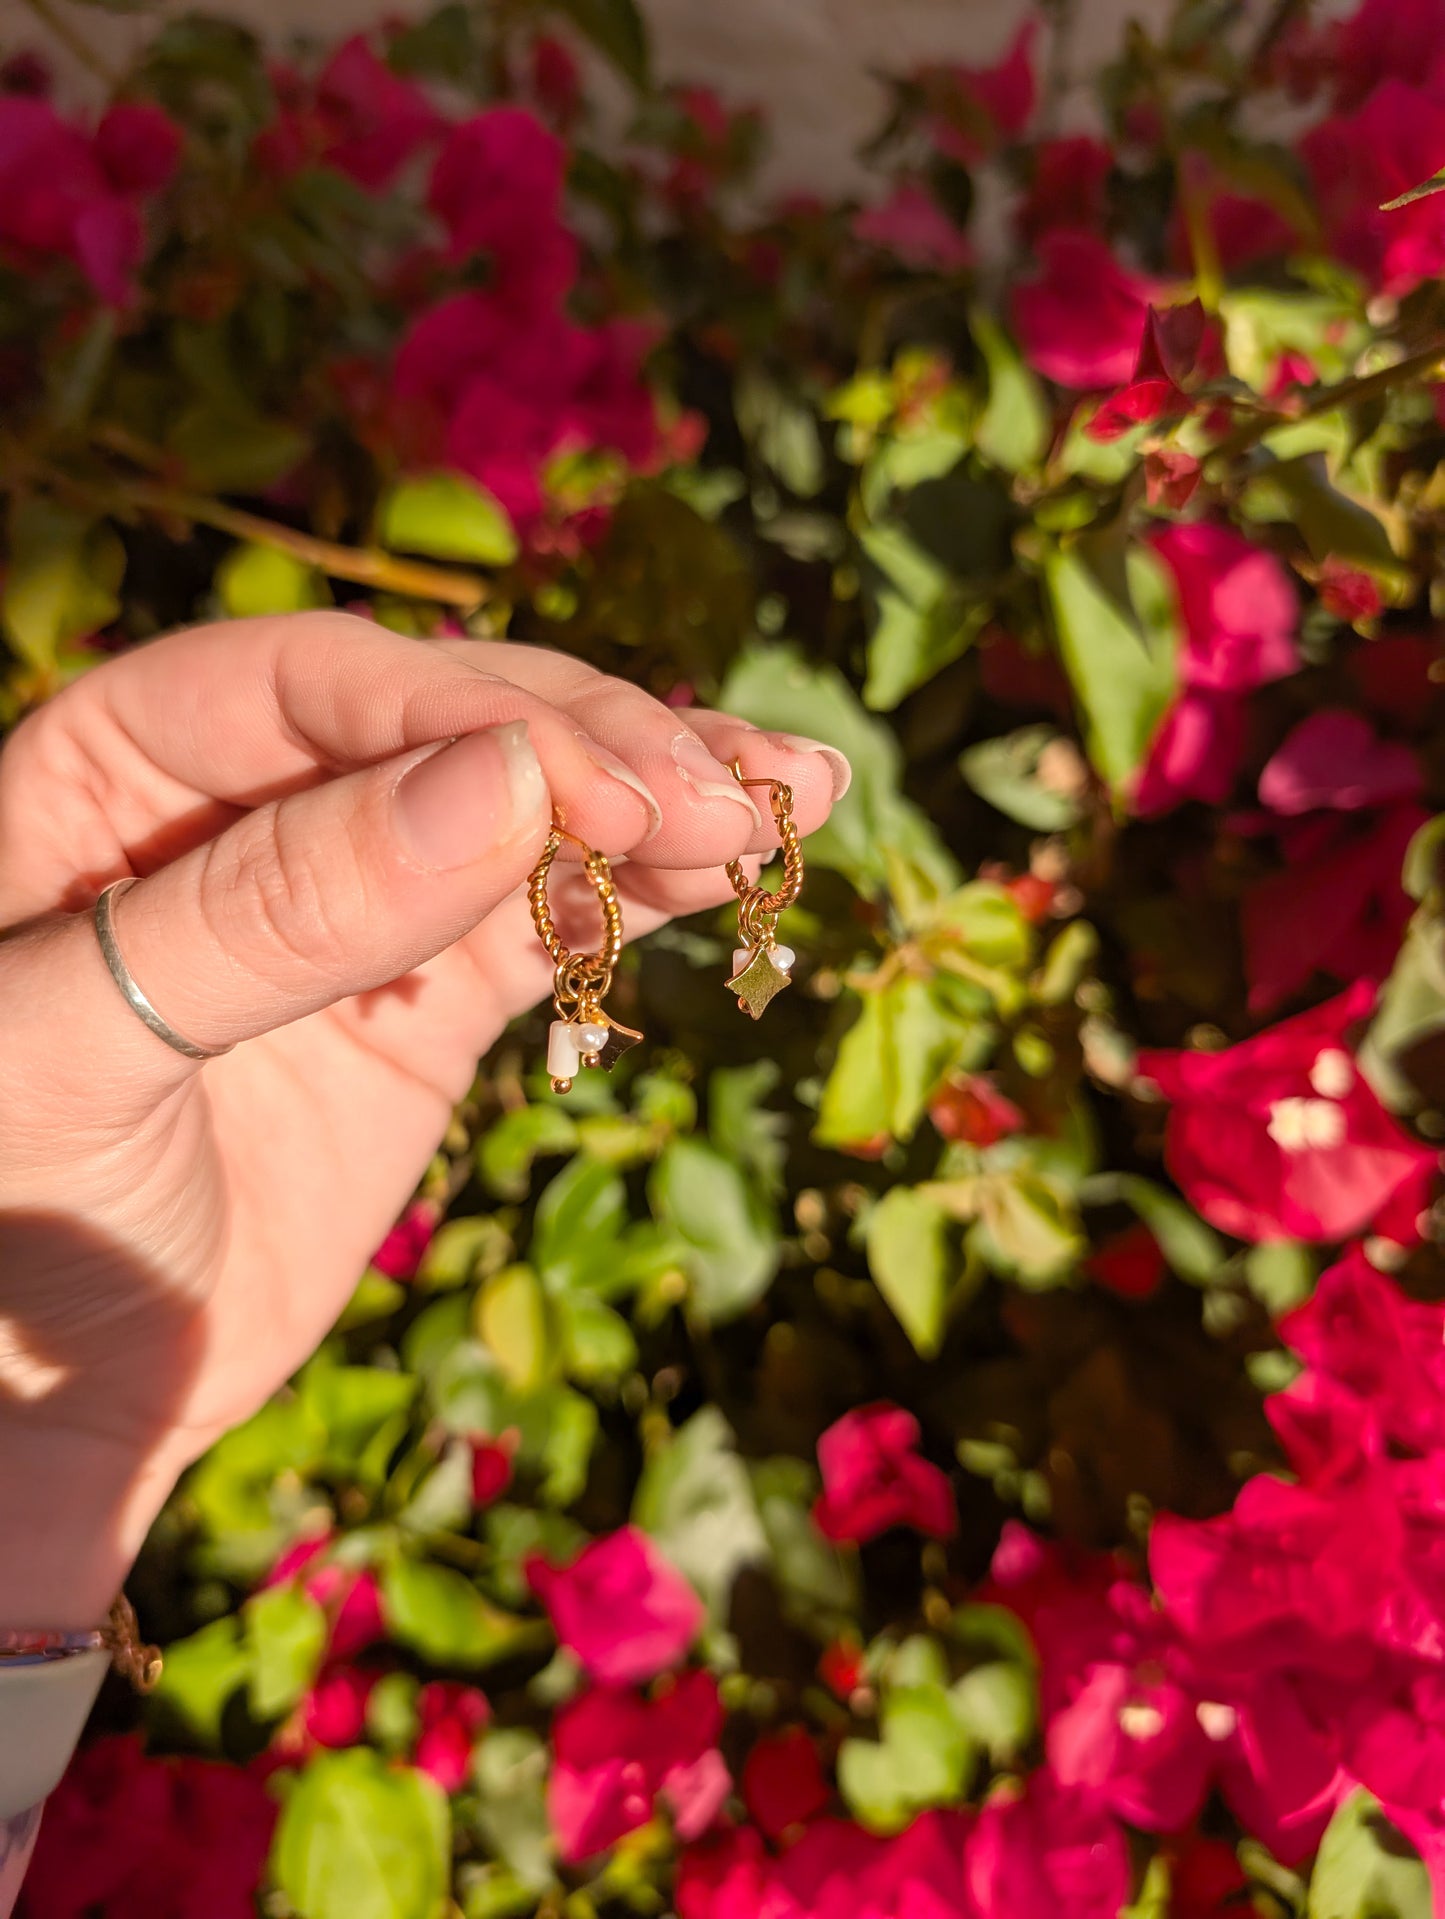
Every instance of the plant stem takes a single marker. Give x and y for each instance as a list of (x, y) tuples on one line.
[(1366, 386), (367, 566), (74, 41)]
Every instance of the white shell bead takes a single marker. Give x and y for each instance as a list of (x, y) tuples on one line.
[(563, 1055), (591, 1036)]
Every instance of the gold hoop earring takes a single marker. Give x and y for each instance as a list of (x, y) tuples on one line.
[(582, 1034), (761, 966)]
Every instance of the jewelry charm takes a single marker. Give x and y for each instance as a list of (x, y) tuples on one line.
[(762, 966), (582, 1034)]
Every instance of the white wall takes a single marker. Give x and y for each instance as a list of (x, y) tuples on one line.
[(808, 62)]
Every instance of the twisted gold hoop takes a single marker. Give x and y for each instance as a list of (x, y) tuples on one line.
[(582, 1034), (761, 967)]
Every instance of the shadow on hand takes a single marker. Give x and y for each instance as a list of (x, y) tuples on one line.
[(97, 1354)]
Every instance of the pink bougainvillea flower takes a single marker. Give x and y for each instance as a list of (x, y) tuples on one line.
[(556, 80), (1349, 592), (1359, 1330), (333, 1713), (1068, 188), (1134, 405), (782, 1782), (617, 1753), (1281, 1137), (978, 107), (874, 1478), (350, 1596), (357, 116), (59, 196), (1240, 612), (1387, 40), (620, 1608), (1180, 347), (1081, 320), (1335, 759), (138, 146), (911, 225), (141, 1838), (1044, 1851), (1362, 160), (1132, 1739), (493, 1463), (1129, 1263), (970, 1107), (1243, 228), (1335, 906), (1195, 755), (450, 1716), (400, 1253), (497, 189), (1171, 477)]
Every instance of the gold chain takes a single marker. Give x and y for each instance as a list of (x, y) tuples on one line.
[(760, 908), (581, 978)]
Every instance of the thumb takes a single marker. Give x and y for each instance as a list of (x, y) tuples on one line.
[(305, 901)]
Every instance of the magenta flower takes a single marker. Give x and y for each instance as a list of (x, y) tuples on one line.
[(142, 1838), (1080, 321), (782, 1782), (400, 1253), (333, 1713), (1068, 188), (1281, 1136), (349, 1595), (1240, 612), (451, 1716), (1195, 755), (1044, 1851), (911, 225), (617, 1753), (1359, 161), (62, 192), (874, 1478), (1335, 759), (1388, 40), (620, 1608), (497, 189), (357, 116), (981, 106)]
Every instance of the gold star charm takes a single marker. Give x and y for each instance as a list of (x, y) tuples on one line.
[(760, 977), (620, 1040)]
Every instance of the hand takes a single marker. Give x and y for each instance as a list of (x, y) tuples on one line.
[(326, 887)]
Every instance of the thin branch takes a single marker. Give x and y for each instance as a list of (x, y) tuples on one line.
[(56, 22), (366, 566), (1366, 386)]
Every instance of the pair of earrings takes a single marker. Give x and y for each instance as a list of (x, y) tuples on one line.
[(583, 1034)]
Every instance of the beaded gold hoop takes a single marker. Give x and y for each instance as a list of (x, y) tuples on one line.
[(761, 966), (582, 1034)]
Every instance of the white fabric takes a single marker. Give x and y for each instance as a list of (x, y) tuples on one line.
[(43, 1709)]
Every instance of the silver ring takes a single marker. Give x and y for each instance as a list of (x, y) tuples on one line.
[(125, 980)]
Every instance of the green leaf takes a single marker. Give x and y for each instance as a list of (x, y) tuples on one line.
[(62, 578), (782, 429), (1013, 431), (511, 1775), (889, 1063), (617, 29), (923, 1759), (1281, 1275), (776, 688), (1411, 1010), (362, 1410), (908, 1253), (226, 448), (696, 1500), (361, 1839), (261, 579), (200, 1677), (286, 1631), (513, 1325), (1300, 493), (440, 1614), (1365, 1869), (598, 1346), (996, 1707), (1005, 772), (731, 1250), (742, 1128), (579, 1218), (1031, 1230), (447, 517), (1118, 645), (817, 1583), (507, 1150), (1193, 1250)]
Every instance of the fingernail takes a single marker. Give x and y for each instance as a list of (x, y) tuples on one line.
[(708, 777), (838, 767), (617, 769), (453, 806)]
